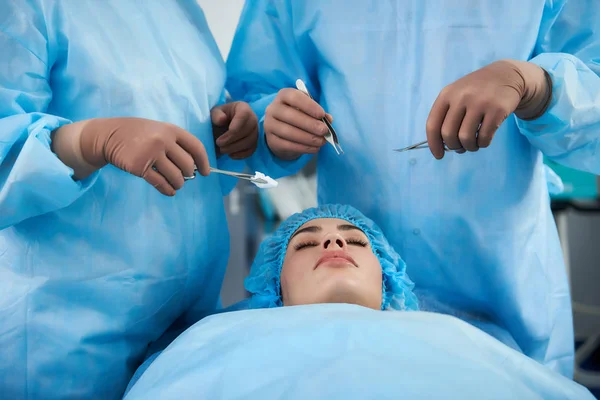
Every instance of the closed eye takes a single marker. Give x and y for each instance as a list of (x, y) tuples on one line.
[(357, 242), (303, 245)]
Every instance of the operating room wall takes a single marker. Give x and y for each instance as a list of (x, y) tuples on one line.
[(580, 236), (222, 17), (579, 232)]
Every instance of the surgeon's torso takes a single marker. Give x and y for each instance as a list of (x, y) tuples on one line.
[(478, 224), (157, 61), (123, 259)]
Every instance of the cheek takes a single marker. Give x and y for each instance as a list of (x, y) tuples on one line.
[(285, 278), (372, 266), (293, 270)]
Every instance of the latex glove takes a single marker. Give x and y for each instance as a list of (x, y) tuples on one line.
[(158, 152), (293, 125), (235, 130), (487, 97)]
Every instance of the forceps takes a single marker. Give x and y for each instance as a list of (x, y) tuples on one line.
[(422, 145), (238, 175), (331, 136), (248, 177)]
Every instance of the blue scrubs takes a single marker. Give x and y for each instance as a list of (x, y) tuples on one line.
[(91, 272), (475, 230)]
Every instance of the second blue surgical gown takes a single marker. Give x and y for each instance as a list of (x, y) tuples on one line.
[(476, 230), (91, 272)]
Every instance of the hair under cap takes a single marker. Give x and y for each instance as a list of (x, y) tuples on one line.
[(264, 284)]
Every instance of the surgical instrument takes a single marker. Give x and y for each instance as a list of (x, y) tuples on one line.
[(423, 145), (259, 179), (331, 135)]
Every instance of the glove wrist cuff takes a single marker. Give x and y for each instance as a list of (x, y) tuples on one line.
[(66, 144), (538, 94)]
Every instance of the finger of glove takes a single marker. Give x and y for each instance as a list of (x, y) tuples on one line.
[(218, 116), (296, 99), (467, 133), (295, 135), (489, 126), (239, 128), (159, 182), (194, 147), (247, 143), (242, 154), (451, 125), (170, 171), (182, 160), (433, 127), (300, 120), (277, 145)]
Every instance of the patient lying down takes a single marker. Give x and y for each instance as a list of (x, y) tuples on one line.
[(333, 254), (330, 254)]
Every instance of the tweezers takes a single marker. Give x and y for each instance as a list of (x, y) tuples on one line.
[(331, 136), (420, 145), (239, 175)]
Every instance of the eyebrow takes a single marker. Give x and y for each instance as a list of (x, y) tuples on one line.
[(317, 228)]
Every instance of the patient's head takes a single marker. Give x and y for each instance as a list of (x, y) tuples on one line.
[(329, 254), (330, 260)]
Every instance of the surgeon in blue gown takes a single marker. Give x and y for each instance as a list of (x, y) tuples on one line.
[(475, 227), (96, 262)]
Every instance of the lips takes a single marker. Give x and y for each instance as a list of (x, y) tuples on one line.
[(330, 255)]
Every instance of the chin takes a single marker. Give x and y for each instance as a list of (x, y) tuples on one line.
[(346, 291)]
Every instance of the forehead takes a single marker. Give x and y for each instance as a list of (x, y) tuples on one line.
[(326, 225)]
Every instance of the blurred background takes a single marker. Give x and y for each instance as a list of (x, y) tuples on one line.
[(253, 214)]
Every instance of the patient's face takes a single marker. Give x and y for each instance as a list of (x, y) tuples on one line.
[(331, 261)]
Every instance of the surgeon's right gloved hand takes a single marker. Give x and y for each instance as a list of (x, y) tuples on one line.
[(293, 125), (160, 153)]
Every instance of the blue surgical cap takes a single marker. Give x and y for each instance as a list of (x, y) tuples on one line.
[(264, 283)]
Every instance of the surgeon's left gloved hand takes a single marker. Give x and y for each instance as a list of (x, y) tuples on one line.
[(487, 97), (235, 129)]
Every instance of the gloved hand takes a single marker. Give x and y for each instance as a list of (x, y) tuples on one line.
[(487, 97), (158, 152), (235, 129), (293, 126)]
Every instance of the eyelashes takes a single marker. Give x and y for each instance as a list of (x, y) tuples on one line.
[(350, 242), (357, 242), (303, 245)]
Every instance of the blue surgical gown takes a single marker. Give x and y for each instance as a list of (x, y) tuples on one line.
[(476, 230), (91, 272)]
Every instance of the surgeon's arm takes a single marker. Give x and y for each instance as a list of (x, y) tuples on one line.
[(33, 181), (265, 57), (568, 49)]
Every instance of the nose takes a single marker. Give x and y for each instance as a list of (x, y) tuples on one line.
[(334, 242)]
